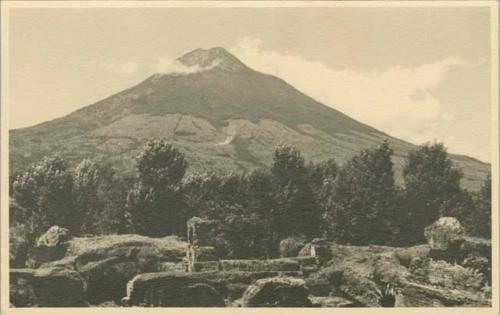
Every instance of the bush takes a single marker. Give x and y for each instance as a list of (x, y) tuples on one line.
[(454, 276), (450, 276)]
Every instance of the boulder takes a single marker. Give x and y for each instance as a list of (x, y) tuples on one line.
[(59, 288), (21, 290), (290, 247), (50, 246), (442, 231), (55, 236), (172, 290), (54, 287), (277, 292)]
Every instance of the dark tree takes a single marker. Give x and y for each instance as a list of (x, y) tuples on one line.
[(240, 233), (296, 212), (87, 180), (101, 196), (432, 189), (156, 206), (322, 177), (260, 203), (364, 211), (482, 213), (46, 191)]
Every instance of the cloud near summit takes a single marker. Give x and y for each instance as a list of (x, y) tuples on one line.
[(398, 100), (167, 65)]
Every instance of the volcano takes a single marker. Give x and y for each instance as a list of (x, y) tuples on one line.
[(224, 117)]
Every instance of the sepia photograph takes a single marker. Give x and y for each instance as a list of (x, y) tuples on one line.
[(240, 154)]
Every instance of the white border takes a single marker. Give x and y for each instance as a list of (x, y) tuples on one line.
[(7, 5)]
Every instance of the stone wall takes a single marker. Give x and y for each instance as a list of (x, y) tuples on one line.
[(200, 235)]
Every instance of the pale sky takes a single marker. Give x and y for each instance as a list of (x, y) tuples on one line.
[(420, 74)]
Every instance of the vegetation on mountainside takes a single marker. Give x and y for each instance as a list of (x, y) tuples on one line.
[(357, 203)]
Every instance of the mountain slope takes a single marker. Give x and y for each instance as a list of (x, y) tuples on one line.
[(223, 116)]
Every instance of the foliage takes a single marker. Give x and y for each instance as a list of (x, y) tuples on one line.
[(240, 234), (100, 197), (432, 189), (296, 212), (364, 210), (260, 201), (482, 210), (322, 180), (454, 276), (87, 179), (46, 191), (156, 206), (355, 203)]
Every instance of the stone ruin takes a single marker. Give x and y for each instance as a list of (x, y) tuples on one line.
[(201, 252), (201, 255), (203, 279), (218, 279)]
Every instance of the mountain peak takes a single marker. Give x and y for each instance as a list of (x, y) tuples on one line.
[(213, 57)]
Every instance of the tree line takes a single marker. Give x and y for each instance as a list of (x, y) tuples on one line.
[(355, 203)]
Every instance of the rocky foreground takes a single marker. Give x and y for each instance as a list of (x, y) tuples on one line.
[(131, 270)]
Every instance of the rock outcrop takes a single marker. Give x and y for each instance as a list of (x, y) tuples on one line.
[(361, 274)]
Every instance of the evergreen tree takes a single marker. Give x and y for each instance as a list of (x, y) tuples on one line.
[(156, 206), (296, 212), (46, 191), (482, 213), (87, 180), (261, 204), (322, 177), (432, 189), (364, 211)]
